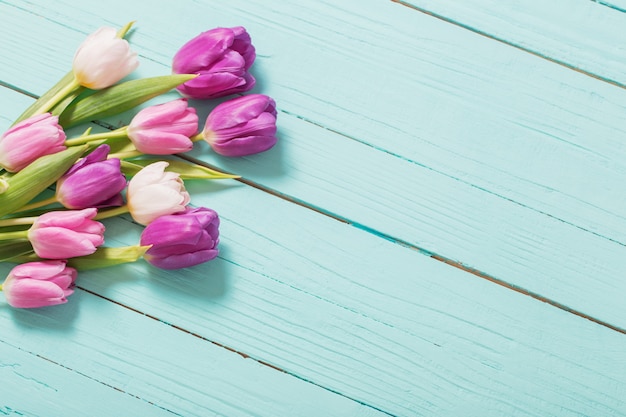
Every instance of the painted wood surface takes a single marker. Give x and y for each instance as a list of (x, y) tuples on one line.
[(582, 35), (419, 166), (460, 193)]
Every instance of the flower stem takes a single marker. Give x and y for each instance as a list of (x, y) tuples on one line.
[(198, 137), (114, 134), (125, 155), (20, 234), (38, 204), (105, 214), (60, 95), (17, 221)]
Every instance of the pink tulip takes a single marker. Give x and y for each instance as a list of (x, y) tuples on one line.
[(103, 59), (29, 140), (152, 193), (66, 234), (183, 239), (39, 284), (221, 57), (94, 181), (164, 129), (242, 126)]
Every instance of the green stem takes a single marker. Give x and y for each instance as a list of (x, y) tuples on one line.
[(114, 134), (125, 155), (20, 234), (198, 137), (38, 204), (60, 95), (17, 221), (105, 214)]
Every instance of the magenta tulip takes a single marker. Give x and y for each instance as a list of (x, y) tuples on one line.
[(66, 234), (164, 129), (30, 139), (94, 181), (152, 193), (183, 239), (221, 57), (39, 284), (242, 126)]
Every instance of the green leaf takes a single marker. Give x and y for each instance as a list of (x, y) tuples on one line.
[(119, 98), (33, 108), (104, 257), (36, 177), (9, 250), (187, 170)]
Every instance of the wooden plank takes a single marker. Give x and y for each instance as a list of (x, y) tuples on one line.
[(364, 317), (36, 387), (95, 355), (584, 35)]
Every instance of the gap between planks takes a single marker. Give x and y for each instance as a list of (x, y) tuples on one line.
[(242, 354), (521, 48), (437, 257)]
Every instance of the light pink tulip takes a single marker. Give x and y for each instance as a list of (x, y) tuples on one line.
[(31, 139), (66, 234), (39, 284), (103, 59), (164, 129), (152, 193)]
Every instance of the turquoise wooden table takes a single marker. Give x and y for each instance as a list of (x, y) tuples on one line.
[(440, 230)]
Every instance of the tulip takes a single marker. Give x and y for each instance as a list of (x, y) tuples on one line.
[(39, 284), (183, 239), (66, 234), (221, 57), (242, 126), (152, 193), (164, 129), (94, 181), (29, 140), (103, 59)]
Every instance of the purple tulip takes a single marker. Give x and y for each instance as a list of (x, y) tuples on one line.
[(221, 57), (39, 284), (29, 140), (242, 126), (66, 234), (94, 181), (183, 239), (103, 59), (164, 129), (153, 193)]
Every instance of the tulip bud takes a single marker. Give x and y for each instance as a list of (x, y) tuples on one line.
[(66, 234), (242, 126), (39, 284), (222, 58), (183, 239), (94, 181), (152, 193), (29, 140), (164, 129), (103, 59)]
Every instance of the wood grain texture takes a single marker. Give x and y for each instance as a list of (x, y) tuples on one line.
[(450, 149), (472, 159), (92, 354), (582, 35), (364, 317)]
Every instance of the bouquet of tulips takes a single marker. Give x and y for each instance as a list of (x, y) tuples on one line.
[(55, 189)]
